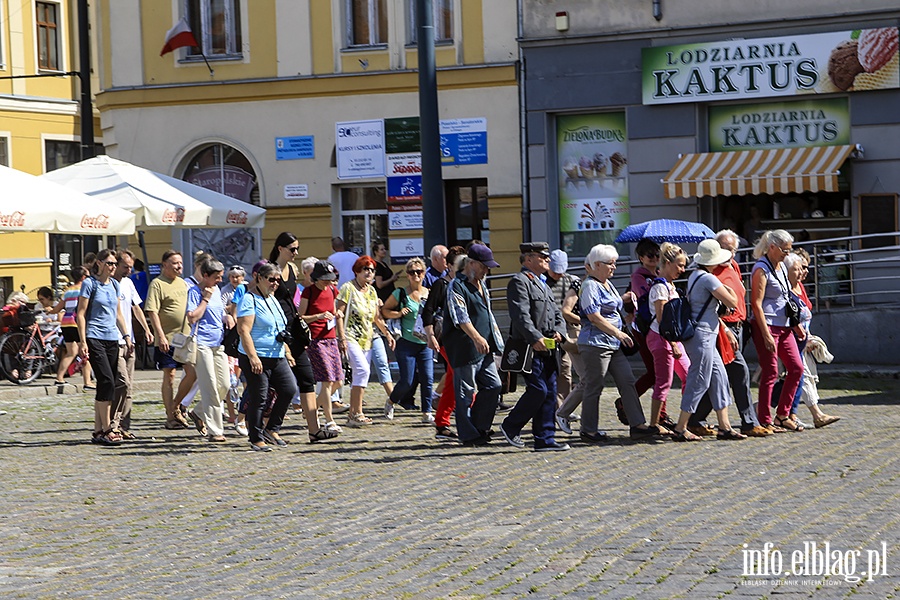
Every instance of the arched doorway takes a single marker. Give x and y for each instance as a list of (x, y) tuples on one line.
[(224, 169)]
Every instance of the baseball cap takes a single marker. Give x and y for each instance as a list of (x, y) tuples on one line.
[(484, 255)]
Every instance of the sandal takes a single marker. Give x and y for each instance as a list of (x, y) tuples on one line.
[(322, 434), (787, 423), (686, 436), (730, 434), (106, 438)]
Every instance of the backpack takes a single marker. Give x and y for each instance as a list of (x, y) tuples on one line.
[(676, 323), (642, 317)]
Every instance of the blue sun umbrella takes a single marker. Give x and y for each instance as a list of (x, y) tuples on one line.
[(666, 230)]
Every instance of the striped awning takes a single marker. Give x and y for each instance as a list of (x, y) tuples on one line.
[(776, 171)]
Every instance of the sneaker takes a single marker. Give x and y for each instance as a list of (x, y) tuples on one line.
[(445, 434), (562, 423), (358, 420), (512, 441), (241, 428), (389, 410), (428, 417), (552, 447), (332, 426), (339, 408)]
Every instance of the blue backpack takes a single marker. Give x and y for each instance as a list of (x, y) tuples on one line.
[(642, 317), (677, 324)]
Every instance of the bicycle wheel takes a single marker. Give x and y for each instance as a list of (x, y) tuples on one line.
[(21, 357)]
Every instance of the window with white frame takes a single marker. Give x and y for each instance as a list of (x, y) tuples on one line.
[(47, 32), (217, 26), (4, 152), (443, 21), (366, 22)]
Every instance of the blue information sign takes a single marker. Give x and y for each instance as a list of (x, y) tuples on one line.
[(405, 188), (293, 148), (464, 141)]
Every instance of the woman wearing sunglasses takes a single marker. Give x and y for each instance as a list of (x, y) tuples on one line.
[(414, 357), (101, 325), (265, 359), (359, 303)]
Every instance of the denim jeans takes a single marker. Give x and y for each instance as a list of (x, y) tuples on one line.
[(380, 365), (475, 416), (414, 360)]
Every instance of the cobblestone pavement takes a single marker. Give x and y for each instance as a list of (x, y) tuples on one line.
[(388, 512)]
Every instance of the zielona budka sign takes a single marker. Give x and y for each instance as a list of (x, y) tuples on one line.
[(842, 61)]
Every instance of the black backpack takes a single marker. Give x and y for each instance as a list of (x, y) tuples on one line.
[(676, 323)]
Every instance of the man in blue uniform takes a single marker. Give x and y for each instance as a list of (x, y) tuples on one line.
[(535, 318)]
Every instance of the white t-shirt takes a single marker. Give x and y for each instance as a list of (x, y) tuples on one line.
[(343, 262), (659, 291), (128, 297)]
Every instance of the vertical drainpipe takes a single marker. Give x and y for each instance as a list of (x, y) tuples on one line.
[(657, 10), (523, 136)]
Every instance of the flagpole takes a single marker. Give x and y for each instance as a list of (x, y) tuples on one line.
[(211, 72)]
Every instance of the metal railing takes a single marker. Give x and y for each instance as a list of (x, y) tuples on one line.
[(839, 267)]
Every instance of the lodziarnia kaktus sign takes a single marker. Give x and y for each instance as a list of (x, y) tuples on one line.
[(822, 63)]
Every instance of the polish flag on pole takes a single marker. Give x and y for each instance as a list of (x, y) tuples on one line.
[(178, 37)]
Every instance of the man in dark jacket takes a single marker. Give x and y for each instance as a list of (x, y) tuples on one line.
[(470, 343), (536, 319)]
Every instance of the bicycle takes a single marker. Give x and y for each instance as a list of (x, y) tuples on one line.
[(26, 352)]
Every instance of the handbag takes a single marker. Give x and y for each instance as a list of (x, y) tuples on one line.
[(395, 326), (635, 345), (231, 341), (518, 356), (185, 347)]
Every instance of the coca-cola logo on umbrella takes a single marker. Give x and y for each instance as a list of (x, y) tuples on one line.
[(95, 222), (15, 219), (173, 215), (236, 218)]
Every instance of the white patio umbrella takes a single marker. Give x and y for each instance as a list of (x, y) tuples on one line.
[(156, 199), (29, 203)]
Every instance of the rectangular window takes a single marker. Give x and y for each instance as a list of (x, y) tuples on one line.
[(4, 152), (443, 21), (366, 22), (217, 26), (62, 154), (47, 23), (877, 214)]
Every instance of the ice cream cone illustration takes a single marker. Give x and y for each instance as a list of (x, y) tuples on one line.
[(618, 162)]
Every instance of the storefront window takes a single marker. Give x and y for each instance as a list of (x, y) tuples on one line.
[(364, 217)]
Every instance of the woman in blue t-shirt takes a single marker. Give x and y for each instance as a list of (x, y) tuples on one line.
[(101, 325), (265, 359)]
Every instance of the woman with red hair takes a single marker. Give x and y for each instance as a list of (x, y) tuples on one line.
[(358, 302)]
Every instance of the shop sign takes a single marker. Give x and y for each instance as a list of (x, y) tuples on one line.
[(797, 124), (296, 191), (238, 183), (360, 149), (464, 141), (823, 63), (399, 220), (404, 177), (403, 249), (592, 169), (401, 135), (293, 148)]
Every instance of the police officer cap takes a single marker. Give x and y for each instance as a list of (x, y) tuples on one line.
[(541, 248)]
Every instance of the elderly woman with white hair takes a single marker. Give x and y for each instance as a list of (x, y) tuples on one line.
[(773, 324), (599, 344)]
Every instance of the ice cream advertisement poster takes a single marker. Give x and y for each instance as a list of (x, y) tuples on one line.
[(793, 124), (592, 172), (823, 63)]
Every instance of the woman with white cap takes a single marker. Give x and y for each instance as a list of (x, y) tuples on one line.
[(707, 371)]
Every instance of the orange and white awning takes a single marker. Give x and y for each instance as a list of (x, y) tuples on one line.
[(775, 171)]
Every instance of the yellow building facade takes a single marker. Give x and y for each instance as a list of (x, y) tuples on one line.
[(39, 120), (293, 69)]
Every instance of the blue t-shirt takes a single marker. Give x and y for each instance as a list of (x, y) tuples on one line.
[(700, 291), (269, 321), (210, 328), (595, 298), (100, 319)]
